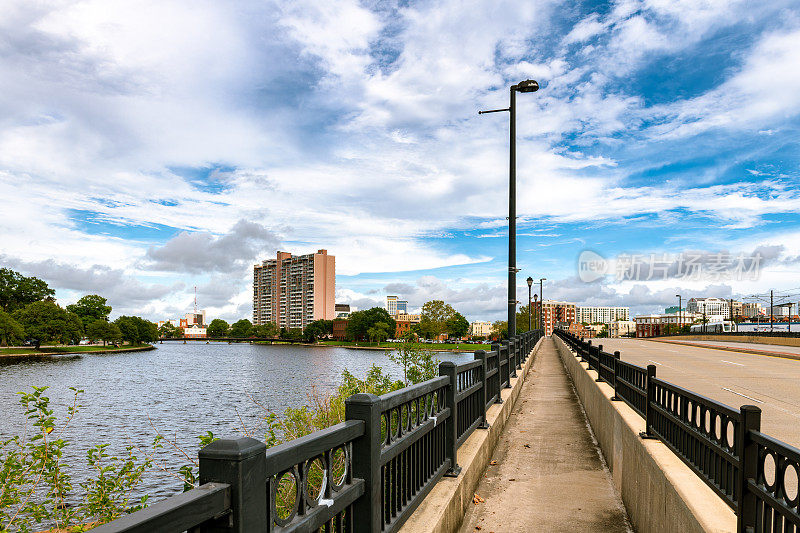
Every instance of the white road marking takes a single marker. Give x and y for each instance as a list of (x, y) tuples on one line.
[(656, 362), (731, 362), (742, 395)]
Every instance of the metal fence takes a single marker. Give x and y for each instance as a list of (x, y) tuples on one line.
[(756, 475), (367, 474)]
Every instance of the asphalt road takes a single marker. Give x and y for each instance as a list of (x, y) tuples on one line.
[(733, 378)]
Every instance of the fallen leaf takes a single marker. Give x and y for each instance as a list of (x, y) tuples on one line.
[(513, 479), (527, 445), (477, 527), (477, 499), (492, 463)]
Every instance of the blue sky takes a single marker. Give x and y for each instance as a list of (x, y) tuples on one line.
[(148, 148)]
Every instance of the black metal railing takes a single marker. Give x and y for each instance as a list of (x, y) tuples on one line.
[(756, 475), (367, 474)]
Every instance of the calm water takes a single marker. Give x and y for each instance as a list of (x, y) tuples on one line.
[(182, 389)]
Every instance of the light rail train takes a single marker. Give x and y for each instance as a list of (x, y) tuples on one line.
[(726, 326)]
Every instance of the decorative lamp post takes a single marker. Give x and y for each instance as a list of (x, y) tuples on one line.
[(527, 86), (538, 312), (680, 313), (530, 283)]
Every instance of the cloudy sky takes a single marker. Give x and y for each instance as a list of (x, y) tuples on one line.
[(150, 147)]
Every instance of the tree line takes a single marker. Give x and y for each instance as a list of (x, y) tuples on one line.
[(29, 311)]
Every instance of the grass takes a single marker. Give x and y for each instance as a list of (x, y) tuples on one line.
[(60, 349), (419, 345)]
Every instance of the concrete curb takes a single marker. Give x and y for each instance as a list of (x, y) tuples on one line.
[(660, 493), (442, 511), (769, 353)]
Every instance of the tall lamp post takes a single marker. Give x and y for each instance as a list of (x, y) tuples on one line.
[(538, 312), (680, 313), (527, 86), (530, 283), (541, 304)]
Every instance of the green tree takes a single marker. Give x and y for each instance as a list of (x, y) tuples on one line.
[(500, 329), (317, 330), (46, 321), (90, 308), (267, 331), (241, 328), (217, 328), (136, 330), (379, 332), (11, 331), (457, 326), (360, 322), (17, 291), (522, 318), (104, 331), (418, 365), (433, 319), (168, 331)]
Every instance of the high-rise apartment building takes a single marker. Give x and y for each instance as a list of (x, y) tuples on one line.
[(593, 315), (293, 291)]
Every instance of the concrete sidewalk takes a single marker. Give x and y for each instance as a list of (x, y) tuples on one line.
[(548, 476)]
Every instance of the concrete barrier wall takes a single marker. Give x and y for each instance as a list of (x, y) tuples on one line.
[(660, 493), (442, 511), (754, 339)]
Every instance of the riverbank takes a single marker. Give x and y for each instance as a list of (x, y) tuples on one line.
[(444, 347), (69, 350)]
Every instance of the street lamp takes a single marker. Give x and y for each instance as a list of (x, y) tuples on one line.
[(541, 304), (526, 86), (538, 312), (680, 313), (530, 283)]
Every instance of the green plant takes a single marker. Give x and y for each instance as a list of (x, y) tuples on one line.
[(35, 483)]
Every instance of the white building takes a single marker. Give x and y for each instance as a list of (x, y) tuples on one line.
[(395, 306), (752, 310), (622, 328), (710, 307), (593, 315), (480, 329)]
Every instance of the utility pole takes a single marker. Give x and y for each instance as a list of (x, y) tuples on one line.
[(771, 326)]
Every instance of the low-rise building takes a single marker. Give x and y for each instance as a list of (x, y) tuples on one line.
[(621, 328), (662, 324), (404, 322), (340, 329), (480, 329)]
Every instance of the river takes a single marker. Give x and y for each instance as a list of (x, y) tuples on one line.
[(180, 390)]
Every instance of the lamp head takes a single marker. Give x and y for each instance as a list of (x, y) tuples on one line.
[(528, 86), (530, 281), (535, 297)]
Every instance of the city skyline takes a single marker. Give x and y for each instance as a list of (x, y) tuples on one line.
[(140, 157)]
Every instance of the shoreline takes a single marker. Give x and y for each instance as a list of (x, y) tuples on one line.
[(374, 348), (110, 350)]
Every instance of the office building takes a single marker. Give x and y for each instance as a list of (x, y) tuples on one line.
[(712, 308), (604, 315), (395, 306), (622, 328), (293, 291)]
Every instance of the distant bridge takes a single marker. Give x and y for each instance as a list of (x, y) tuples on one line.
[(234, 339)]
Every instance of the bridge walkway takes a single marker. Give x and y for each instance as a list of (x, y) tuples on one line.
[(548, 475)]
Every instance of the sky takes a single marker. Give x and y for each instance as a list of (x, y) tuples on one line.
[(148, 148)]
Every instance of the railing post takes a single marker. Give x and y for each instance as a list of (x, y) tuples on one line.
[(599, 367), (651, 399), (747, 450), (480, 355), (499, 376), (616, 358), (242, 464), (366, 461), (513, 349), (587, 348), (507, 378), (448, 368)]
